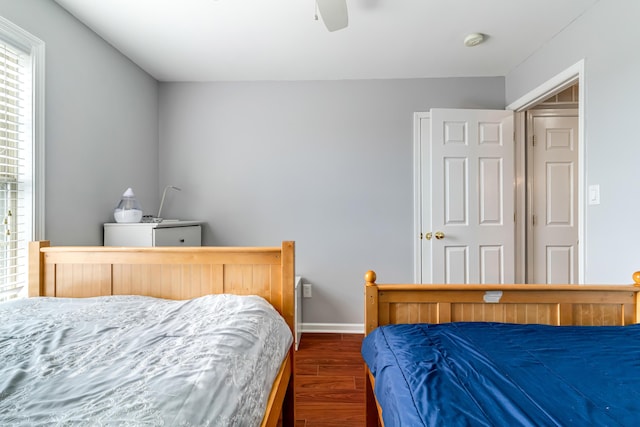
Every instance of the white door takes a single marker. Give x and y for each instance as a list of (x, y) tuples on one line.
[(471, 161), (553, 224)]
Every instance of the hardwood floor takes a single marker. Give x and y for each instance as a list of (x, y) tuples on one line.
[(329, 381)]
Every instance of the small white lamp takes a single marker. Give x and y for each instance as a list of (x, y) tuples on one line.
[(158, 218)]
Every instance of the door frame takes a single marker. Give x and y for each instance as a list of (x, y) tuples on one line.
[(419, 182), (562, 80)]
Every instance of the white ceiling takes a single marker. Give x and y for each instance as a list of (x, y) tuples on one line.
[(227, 40)]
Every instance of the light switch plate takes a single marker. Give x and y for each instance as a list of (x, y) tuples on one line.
[(594, 194)]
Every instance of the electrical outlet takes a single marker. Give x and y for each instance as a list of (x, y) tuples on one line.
[(306, 290)]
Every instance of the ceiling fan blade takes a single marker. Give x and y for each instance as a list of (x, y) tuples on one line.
[(334, 13)]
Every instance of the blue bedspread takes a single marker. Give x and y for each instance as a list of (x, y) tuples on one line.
[(496, 374)]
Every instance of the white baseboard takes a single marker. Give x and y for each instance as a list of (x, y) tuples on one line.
[(334, 328)]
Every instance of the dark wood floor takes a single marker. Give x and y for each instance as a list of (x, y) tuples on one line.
[(329, 381)]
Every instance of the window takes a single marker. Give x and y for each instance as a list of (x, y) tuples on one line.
[(21, 154)]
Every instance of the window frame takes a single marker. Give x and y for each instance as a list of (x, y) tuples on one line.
[(35, 48)]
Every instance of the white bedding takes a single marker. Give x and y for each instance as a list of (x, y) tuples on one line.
[(132, 360)]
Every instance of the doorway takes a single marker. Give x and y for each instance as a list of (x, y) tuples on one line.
[(552, 176), (565, 261)]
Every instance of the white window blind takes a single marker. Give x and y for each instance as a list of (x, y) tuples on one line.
[(14, 218)]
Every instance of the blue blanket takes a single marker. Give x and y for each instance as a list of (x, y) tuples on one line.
[(496, 374)]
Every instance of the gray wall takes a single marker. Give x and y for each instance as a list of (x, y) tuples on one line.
[(101, 124), (606, 38), (327, 164)]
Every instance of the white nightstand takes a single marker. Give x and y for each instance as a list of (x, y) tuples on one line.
[(146, 234)]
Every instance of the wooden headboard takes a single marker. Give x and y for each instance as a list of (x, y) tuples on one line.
[(165, 272), (546, 304)]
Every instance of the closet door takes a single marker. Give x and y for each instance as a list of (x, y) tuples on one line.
[(553, 226)]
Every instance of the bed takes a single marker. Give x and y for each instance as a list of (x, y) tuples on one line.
[(151, 336), (501, 354)]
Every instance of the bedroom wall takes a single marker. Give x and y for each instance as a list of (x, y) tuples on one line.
[(326, 163), (606, 38), (101, 124)]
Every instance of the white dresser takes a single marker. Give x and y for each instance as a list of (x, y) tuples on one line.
[(147, 234)]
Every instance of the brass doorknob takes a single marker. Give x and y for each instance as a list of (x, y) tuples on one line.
[(439, 235), (428, 236)]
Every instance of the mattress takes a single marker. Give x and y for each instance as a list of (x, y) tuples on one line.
[(497, 374), (134, 360)]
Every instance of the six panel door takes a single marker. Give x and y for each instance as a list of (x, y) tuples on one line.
[(553, 226), (472, 196)]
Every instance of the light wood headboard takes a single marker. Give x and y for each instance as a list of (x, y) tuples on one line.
[(547, 304), (167, 272)]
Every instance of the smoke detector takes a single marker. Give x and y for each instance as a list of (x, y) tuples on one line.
[(473, 39)]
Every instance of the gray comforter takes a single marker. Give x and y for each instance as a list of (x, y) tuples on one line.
[(132, 360)]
